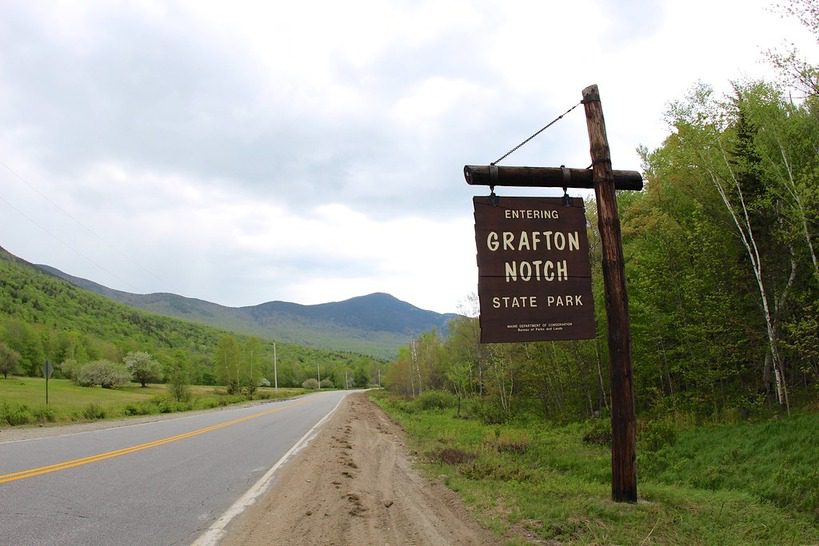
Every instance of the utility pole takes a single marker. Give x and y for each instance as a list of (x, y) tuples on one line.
[(275, 371), (318, 375), (623, 421)]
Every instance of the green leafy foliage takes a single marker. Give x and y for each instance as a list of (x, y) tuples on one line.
[(723, 285), (42, 316), (104, 373), (15, 414), (144, 369), (179, 379), (8, 360), (93, 411), (776, 460), (436, 400)]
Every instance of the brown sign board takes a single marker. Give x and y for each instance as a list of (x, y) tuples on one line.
[(534, 273)]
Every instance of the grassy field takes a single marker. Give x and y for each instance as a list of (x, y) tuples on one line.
[(750, 483), (22, 401)]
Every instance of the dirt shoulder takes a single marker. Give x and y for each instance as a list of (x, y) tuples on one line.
[(354, 484)]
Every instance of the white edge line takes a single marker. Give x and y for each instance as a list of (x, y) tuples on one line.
[(216, 531)]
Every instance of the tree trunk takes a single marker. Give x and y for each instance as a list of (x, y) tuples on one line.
[(746, 234)]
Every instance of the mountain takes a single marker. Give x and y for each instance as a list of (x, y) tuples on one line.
[(376, 324), (43, 316)]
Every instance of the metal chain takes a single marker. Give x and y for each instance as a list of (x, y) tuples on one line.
[(558, 118)]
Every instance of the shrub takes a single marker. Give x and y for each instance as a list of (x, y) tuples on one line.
[(168, 405), (233, 387), (656, 434), (428, 400), (264, 382), (44, 414), (310, 384), (70, 369), (208, 403), (104, 373), (140, 408), (490, 414), (327, 383), (15, 414), (93, 411), (143, 367)]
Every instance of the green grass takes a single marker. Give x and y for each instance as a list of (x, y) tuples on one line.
[(543, 482), (776, 460), (22, 401)]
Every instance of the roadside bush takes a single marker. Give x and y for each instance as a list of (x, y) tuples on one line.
[(140, 408), (44, 414), (233, 387), (207, 403), (264, 382), (310, 384), (93, 412), (15, 414), (104, 373), (401, 404), (428, 400), (656, 434), (327, 383), (168, 405)]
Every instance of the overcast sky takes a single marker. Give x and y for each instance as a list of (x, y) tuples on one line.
[(312, 151)]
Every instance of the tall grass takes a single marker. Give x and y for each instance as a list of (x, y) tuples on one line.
[(776, 460), (531, 481)]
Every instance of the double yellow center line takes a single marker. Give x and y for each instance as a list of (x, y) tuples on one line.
[(39, 471)]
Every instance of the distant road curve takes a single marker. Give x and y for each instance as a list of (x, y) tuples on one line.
[(171, 481)]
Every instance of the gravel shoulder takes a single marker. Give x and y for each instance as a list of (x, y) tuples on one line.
[(355, 484)]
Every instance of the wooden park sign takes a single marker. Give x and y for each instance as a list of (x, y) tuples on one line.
[(534, 275), (604, 181)]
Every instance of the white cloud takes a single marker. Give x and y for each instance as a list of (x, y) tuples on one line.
[(312, 151)]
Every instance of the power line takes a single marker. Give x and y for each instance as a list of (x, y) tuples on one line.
[(65, 244), (79, 223)]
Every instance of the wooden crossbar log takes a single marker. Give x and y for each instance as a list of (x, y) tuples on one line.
[(545, 177)]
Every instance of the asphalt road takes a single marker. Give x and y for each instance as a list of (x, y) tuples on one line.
[(164, 482)]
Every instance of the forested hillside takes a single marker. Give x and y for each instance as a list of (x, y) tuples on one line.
[(721, 265), (43, 317), (375, 324)]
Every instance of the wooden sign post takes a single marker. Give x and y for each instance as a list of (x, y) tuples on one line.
[(623, 421), (604, 181)]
